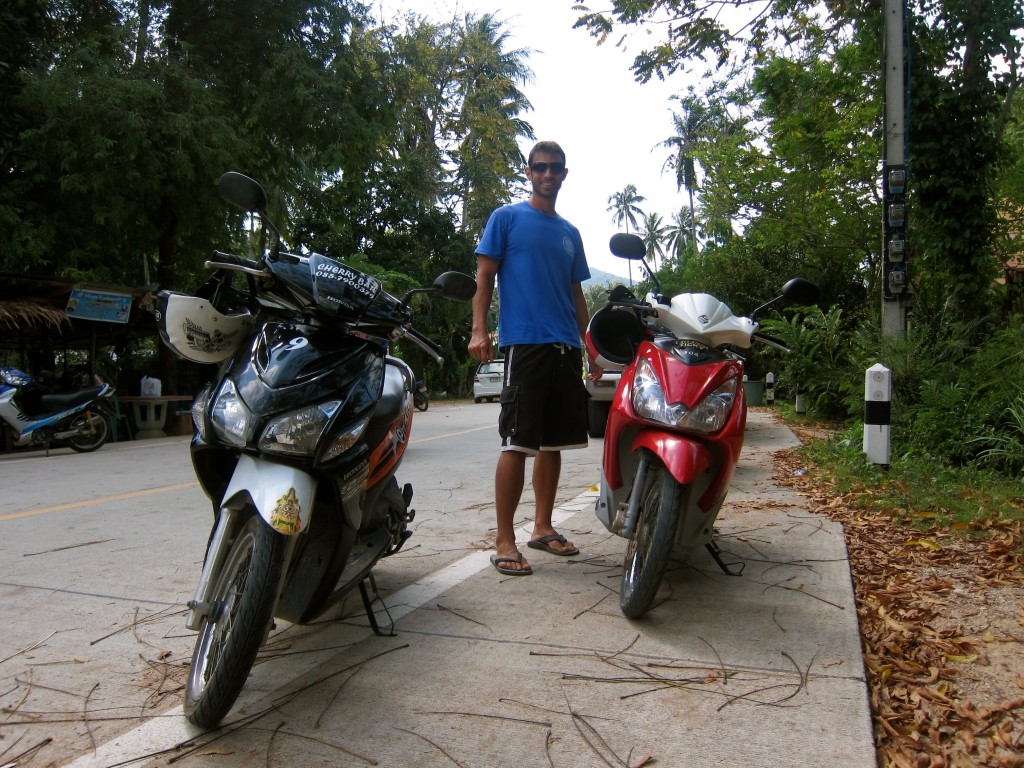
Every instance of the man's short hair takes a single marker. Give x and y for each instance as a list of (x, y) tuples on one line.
[(549, 147)]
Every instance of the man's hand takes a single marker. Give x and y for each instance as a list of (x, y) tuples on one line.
[(480, 348), (594, 371)]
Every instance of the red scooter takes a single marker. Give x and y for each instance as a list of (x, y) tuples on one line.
[(675, 427)]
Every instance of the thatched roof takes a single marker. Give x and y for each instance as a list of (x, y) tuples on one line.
[(21, 315)]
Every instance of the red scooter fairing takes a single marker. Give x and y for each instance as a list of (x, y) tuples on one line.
[(685, 454)]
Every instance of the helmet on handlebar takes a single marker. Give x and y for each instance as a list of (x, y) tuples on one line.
[(615, 334), (196, 330)]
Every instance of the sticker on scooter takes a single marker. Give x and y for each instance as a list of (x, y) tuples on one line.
[(285, 517)]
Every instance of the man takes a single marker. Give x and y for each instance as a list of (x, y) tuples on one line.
[(538, 260)]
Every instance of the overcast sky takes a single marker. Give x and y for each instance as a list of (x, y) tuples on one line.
[(583, 97)]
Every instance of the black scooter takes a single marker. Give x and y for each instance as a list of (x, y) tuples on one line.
[(297, 441)]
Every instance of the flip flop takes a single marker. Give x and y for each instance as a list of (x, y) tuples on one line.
[(544, 543), (497, 561)]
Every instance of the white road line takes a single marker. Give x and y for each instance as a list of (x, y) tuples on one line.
[(170, 728)]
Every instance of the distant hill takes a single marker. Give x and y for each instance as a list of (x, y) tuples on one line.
[(597, 277)]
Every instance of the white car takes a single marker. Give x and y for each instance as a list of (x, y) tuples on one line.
[(488, 380), (600, 400)]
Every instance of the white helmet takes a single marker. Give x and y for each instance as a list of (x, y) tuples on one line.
[(194, 329)]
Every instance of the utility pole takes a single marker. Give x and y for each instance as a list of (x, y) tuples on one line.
[(895, 279), (895, 276)]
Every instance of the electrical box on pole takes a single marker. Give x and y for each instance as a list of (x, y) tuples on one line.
[(895, 276)]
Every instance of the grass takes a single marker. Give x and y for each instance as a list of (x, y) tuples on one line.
[(915, 491)]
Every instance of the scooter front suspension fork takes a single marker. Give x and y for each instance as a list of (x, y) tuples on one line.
[(198, 607), (635, 495)]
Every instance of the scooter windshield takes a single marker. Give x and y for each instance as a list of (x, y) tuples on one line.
[(338, 289)]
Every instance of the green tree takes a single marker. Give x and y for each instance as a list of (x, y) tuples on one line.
[(655, 234), (490, 107), (689, 124), (679, 234), (961, 96), (625, 207)]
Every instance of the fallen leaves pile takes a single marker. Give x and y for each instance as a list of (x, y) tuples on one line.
[(942, 622)]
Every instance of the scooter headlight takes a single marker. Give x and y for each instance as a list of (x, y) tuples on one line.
[(711, 413), (649, 397), (230, 418), (297, 433), (708, 416)]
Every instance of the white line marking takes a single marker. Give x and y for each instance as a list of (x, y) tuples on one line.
[(170, 727)]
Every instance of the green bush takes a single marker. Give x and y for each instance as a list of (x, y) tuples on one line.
[(957, 388)]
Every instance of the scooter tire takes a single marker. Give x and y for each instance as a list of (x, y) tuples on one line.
[(421, 403), (651, 544), (94, 431), (242, 611), (597, 416)]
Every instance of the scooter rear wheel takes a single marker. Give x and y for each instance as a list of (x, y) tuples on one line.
[(93, 431), (241, 611), (653, 537)]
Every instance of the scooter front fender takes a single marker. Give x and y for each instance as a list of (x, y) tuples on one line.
[(282, 495), (685, 459)]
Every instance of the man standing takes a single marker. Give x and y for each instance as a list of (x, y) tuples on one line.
[(538, 260)]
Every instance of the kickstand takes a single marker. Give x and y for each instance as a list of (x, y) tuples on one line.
[(368, 605), (716, 553)]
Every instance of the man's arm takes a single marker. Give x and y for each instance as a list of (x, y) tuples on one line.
[(480, 342), (594, 371)]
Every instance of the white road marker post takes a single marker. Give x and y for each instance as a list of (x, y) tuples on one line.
[(877, 413)]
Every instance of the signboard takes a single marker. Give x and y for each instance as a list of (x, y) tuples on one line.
[(104, 306)]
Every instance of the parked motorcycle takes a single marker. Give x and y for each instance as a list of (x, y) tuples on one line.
[(297, 442), (675, 427), (78, 419), (419, 396)]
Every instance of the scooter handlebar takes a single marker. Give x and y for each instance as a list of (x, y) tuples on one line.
[(771, 341), (424, 343)]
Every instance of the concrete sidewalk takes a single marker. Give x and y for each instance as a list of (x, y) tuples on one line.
[(761, 669)]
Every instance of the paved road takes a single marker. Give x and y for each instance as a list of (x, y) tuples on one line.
[(99, 552)]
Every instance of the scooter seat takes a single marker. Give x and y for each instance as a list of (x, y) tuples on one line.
[(66, 400)]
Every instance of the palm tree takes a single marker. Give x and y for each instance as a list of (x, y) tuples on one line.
[(624, 207), (678, 233), (655, 235), (489, 121), (688, 124)]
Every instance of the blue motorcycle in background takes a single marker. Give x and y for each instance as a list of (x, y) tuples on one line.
[(79, 420)]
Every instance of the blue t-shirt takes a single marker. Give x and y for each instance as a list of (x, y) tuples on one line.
[(540, 258)]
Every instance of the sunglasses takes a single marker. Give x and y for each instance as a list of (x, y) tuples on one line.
[(542, 168)]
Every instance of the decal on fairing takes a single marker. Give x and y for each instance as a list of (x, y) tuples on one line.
[(285, 517)]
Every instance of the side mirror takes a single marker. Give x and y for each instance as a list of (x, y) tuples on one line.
[(455, 286), (627, 246), (800, 291), (242, 192)]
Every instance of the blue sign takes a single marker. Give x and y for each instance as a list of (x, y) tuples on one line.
[(99, 305)]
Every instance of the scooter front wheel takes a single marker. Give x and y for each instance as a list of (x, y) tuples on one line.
[(93, 431), (654, 535), (241, 611)]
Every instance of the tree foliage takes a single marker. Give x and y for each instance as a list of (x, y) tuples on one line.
[(385, 145), (797, 164)]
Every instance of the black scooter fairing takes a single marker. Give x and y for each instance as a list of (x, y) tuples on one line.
[(291, 366), (286, 366)]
